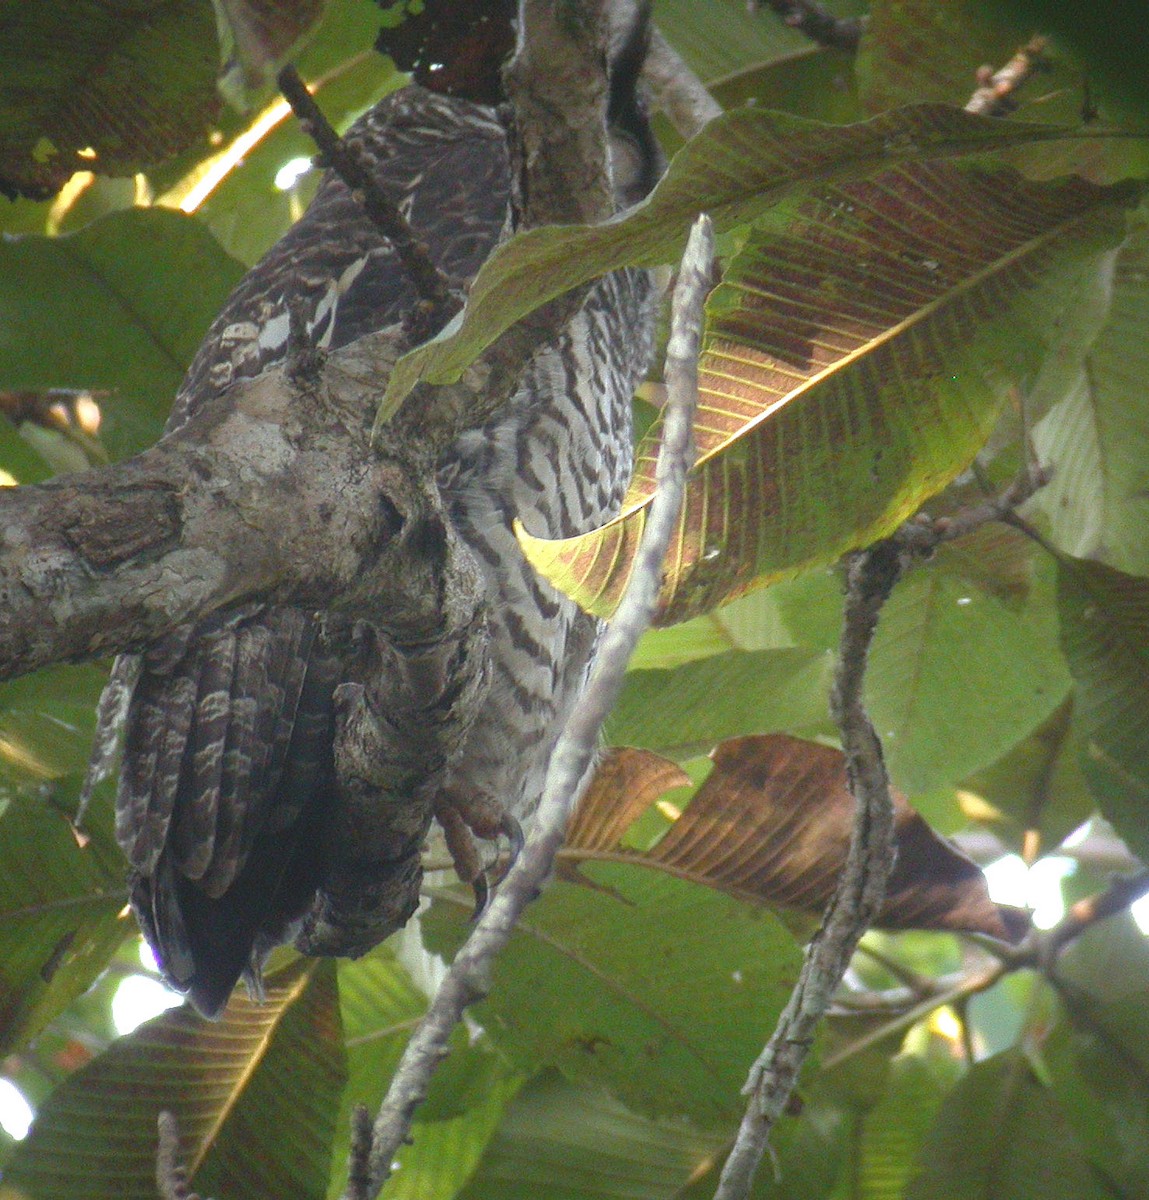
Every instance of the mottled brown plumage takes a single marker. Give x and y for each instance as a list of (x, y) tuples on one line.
[(228, 775)]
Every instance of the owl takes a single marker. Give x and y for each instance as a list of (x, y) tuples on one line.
[(228, 774)]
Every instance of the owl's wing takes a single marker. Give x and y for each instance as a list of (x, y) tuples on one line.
[(227, 748)]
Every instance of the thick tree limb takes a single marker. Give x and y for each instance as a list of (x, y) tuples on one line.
[(271, 491), (467, 979)]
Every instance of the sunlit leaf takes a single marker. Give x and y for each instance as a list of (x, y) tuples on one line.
[(965, 661), (738, 167), (255, 1095), (1105, 634), (854, 362), (111, 308), (605, 982), (772, 824), (1000, 1134), (101, 88), (724, 36)]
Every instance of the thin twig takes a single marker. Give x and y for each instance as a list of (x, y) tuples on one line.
[(467, 978), (432, 285), (676, 90), (819, 24), (1116, 898), (871, 577), (995, 95), (359, 1160), (171, 1174)]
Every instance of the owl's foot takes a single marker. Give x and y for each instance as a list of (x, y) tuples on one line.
[(462, 822)]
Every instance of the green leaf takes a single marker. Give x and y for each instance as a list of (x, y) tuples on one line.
[(605, 982), (723, 36), (132, 83), (738, 167), (965, 662), (1097, 502), (380, 1007), (687, 709), (570, 1142), (1001, 1135), (855, 360), (1100, 1074), (255, 1095), (62, 910), (1105, 635), (1038, 784), (112, 308), (893, 1130)]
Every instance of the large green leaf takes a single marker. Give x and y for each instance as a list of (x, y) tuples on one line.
[(607, 981), (569, 1142), (61, 897), (1001, 1135), (255, 1095), (120, 306), (1098, 500), (856, 358), (1099, 1070), (100, 87), (1038, 784), (742, 164), (62, 909), (965, 661), (380, 1006), (687, 709), (1105, 634)]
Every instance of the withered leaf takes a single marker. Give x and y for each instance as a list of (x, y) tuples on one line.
[(771, 824)]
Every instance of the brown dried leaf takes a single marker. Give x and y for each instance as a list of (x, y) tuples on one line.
[(625, 785), (772, 825)]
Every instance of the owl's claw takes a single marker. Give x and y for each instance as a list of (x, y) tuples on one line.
[(482, 890), (462, 822)]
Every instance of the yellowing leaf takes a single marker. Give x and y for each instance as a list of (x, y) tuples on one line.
[(856, 357)]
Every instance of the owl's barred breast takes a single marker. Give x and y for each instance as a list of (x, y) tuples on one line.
[(228, 773)]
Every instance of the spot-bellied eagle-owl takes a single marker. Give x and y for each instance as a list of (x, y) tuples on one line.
[(227, 770)]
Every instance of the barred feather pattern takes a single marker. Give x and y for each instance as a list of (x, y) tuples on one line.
[(227, 765)]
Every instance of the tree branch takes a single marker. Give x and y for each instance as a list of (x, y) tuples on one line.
[(995, 95), (434, 288), (171, 1174), (819, 24), (871, 578), (467, 979)]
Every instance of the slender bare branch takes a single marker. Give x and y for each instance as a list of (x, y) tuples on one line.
[(171, 1174), (819, 24), (995, 95), (676, 90), (432, 285), (467, 979)]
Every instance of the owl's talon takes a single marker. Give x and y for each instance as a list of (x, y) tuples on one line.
[(482, 889), (510, 828)]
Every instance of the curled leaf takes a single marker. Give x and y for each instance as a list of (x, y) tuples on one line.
[(772, 823)]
